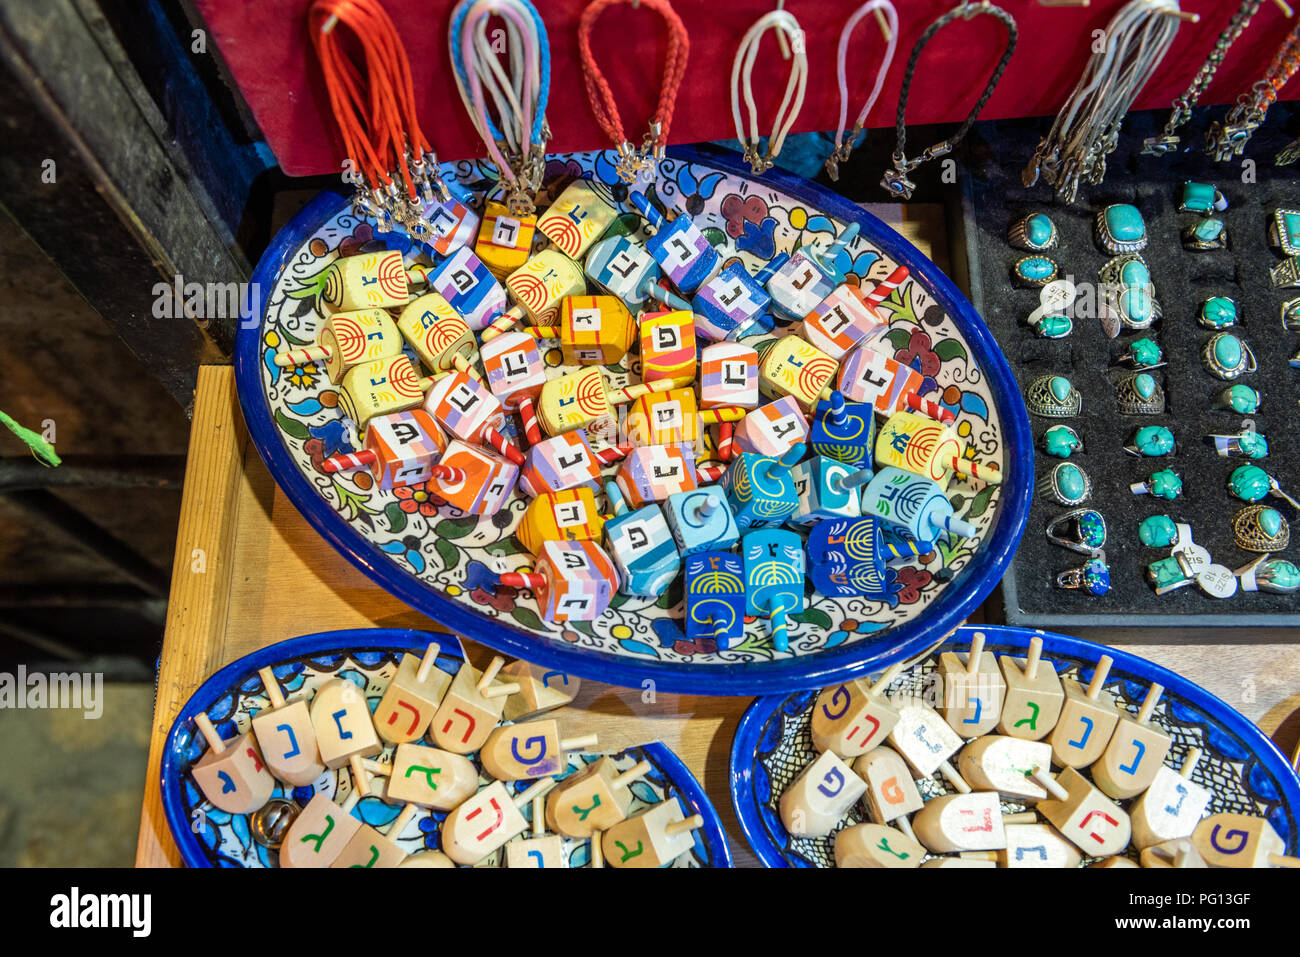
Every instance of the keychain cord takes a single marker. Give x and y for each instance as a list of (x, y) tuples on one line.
[(632, 161), (889, 26), (1227, 139), (742, 69), (895, 181)]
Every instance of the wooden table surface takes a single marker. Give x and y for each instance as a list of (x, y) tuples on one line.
[(249, 571)]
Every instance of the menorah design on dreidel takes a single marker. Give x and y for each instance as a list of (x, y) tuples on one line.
[(378, 280), (579, 216), (774, 579), (345, 340), (843, 431), (715, 598), (584, 399), (437, 333), (913, 502), (539, 287), (925, 447), (848, 556)]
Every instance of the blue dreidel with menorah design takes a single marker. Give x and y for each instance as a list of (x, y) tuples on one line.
[(913, 503), (849, 541), (681, 250), (701, 519), (715, 598), (760, 490), (642, 545), (843, 430), (808, 277), (839, 580), (824, 491), (774, 578), (622, 267)]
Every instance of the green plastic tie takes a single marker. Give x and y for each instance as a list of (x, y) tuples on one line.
[(42, 450)]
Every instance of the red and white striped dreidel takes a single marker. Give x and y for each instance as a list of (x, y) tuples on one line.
[(515, 375), (883, 289), (401, 449), (566, 461), (464, 407), (574, 581), (346, 339)]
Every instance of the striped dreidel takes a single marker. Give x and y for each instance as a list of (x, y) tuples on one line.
[(452, 224), (464, 407), (728, 375), (578, 217), (808, 277), (715, 598), (347, 339), (652, 473), (734, 304), (681, 250), (574, 581), (565, 461), (504, 240), (593, 330), (879, 381), (843, 320), (402, 448), (774, 578), (773, 429), (568, 515), (488, 478), (515, 375), (469, 287), (623, 268), (667, 346)]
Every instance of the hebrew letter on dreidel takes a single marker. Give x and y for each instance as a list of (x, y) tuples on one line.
[(834, 778), (319, 839), (1132, 767), (976, 718), (540, 741), (338, 723), (546, 678), (469, 729), (1182, 792), (1032, 720), (840, 693), (1095, 835), (1087, 733), (494, 825), (1241, 843), (875, 726), (415, 716), (1021, 851), (428, 774)]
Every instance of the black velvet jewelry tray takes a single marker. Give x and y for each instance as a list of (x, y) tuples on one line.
[(993, 197)]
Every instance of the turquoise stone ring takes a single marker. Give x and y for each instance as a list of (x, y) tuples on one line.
[(1151, 441), (1034, 271), (1238, 398), (1201, 198), (1084, 531), (1140, 394), (1053, 397), (1284, 231), (1120, 229), (1061, 441), (1247, 443), (1227, 357), (1267, 574), (1250, 483), (1066, 484), (1157, 531), (1033, 233), (1142, 354), (1260, 528), (1207, 234), (1166, 484), (1218, 312)]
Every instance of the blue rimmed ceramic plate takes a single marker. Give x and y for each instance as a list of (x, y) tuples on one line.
[(443, 562), (208, 837), (1239, 764)]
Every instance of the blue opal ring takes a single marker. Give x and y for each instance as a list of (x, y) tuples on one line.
[(1053, 397), (1092, 577), (1207, 234), (1034, 272), (1227, 357), (1085, 531), (1120, 229), (1033, 233), (1260, 528), (1066, 484)]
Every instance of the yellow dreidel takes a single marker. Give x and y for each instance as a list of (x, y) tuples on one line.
[(817, 800), (412, 697), (487, 821), (874, 845), (570, 515), (504, 240), (378, 280), (1240, 840), (347, 339), (438, 333), (578, 217), (1088, 718), (584, 399), (286, 737), (656, 836), (1085, 817), (593, 330), (999, 763), (1037, 846), (1135, 752), (369, 848), (1180, 852), (470, 709), (538, 288), (927, 742), (319, 833), (791, 366), (540, 690), (379, 388), (923, 446), (533, 749), (540, 849), (668, 346), (429, 777), (1171, 806), (965, 822), (891, 792), (852, 718), (231, 774), (341, 720), (666, 418), (972, 689), (594, 799), (1034, 696)]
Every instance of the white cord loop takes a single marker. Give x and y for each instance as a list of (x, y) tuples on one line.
[(742, 68), (887, 16)]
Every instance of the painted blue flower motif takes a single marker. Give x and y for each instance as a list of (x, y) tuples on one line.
[(333, 436), (478, 575), (928, 384), (705, 186), (974, 403), (864, 261), (758, 239), (404, 549), (268, 360)]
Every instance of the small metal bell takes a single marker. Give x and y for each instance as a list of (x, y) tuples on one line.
[(271, 822)]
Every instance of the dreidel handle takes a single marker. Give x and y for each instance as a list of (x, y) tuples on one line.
[(772, 267), (976, 651), (780, 636), (447, 473), (954, 777), (883, 289), (955, 525), (928, 407), (272, 687), (501, 324), (839, 410), (528, 415), (617, 501), (350, 460), (503, 445), (214, 740), (640, 770), (543, 332), (300, 357), (1099, 677), (722, 414), (580, 743), (711, 472), (611, 454), (666, 296), (430, 657), (853, 479), (597, 853), (893, 671), (530, 580), (726, 440), (646, 209), (687, 824), (1149, 704), (969, 469), (360, 779), (536, 790), (792, 456), (628, 394), (1189, 763), (1045, 778), (489, 673)]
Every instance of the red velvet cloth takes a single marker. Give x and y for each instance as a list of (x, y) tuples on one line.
[(266, 47)]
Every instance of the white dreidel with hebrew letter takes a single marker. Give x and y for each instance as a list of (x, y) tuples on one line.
[(973, 690), (891, 792), (341, 719), (817, 800), (487, 820), (1085, 817), (286, 736), (926, 741), (1171, 806)]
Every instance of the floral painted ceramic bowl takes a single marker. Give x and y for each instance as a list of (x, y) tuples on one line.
[(208, 837), (444, 563), (1238, 765)]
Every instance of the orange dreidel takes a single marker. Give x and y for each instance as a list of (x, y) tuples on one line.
[(843, 320), (593, 330), (567, 516), (1135, 752), (656, 836), (369, 848), (667, 346), (487, 821), (533, 749), (231, 774), (539, 690), (1085, 817), (565, 461), (999, 763), (319, 833), (285, 736), (401, 448), (790, 366), (886, 385), (471, 708), (429, 777), (1171, 806), (474, 479), (593, 799), (927, 742), (925, 447), (584, 399), (965, 822), (817, 800), (972, 689), (852, 718), (437, 332), (1037, 846), (465, 408), (1087, 720), (539, 849), (574, 581), (578, 217), (379, 388), (341, 719), (666, 418), (516, 374), (875, 845), (654, 472), (347, 339), (378, 280), (892, 794), (1034, 696), (538, 288), (504, 240), (412, 697), (1240, 840)]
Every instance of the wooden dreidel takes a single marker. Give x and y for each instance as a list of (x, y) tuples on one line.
[(574, 581), (231, 774), (680, 249), (1037, 846), (642, 546), (957, 863), (652, 473), (347, 339), (593, 330), (540, 689), (504, 240), (320, 832), (926, 447), (733, 304), (412, 697), (915, 504), (667, 346), (379, 388), (286, 737), (843, 320), (760, 490), (927, 742), (1085, 817), (654, 837), (437, 333), (1109, 862), (452, 223), (564, 461), (886, 385), (1240, 840), (584, 399), (473, 479), (1171, 806), (378, 280), (567, 516), (471, 708), (624, 269), (824, 491), (469, 287), (487, 821), (700, 520), (774, 579), (428, 859), (715, 598), (669, 418), (996, 762), (892, 794), (1034, 696), (875, 845), (790, 366), (539, 849), (1134, 754), (808, 277), (852, 718), (728, 376), (962, 822), (817, 800), (1087, 720), (593, 799), (369, 848), (466, 409), (430, 777), (538, 287), (973, 690), (773, 429), (843, 431), (533, 749), (578, 218), (341, 720), (1179, 852), (401, 448)]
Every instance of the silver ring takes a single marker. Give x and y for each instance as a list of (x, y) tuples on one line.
[(1245, 362), (1018, 234), (1247, 443), (1107, 240), (1088, 531), (1209, 233), (1140, 394), (1046, 396), (1092, 577), (1066, 484)]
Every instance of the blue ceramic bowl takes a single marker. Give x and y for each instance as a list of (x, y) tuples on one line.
[(1239, 764), (208, 837)]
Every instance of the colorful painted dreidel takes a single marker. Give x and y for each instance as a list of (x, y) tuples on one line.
[(465, 408), (319, 833), (347, 339), (892, 793), (564, 461), (378, 280), (774, 579), (540, 689), (667, 418), (593, 799), (680, 249), (701, 519), (790, 366), (843, 320), (667, 346), (886, 385), (1088, 719), (773, 429), (430, 777), (1240, 840), (379, 388), (642, 546), (412, 697), (734, 304), (847, 556), (651, 473), (843, 431), (961, 822), (926, 447), (286, 737), (760, 490), (341, 720), (452, 223), (1135, 753), (1171, 806), (516, 374), (914, 503), (471, 708), (574, 581), (1085, 817), (927, 742), (231, 774), (973, 690), (875, 845), (539, 849), (808, 277), (999, 763), (593, 330), (473, 479), (532, 749), (578, 217), (469, 287), (825, 491), (1034, 695), (487, 821), (437, 333), (654, 837), (624, 269), (1037, 846), (715, 598), (819, 798), (584, 400), (504, 240), (402, 448), (852, 718), (566, 516), (539, 286), (728, 376)]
